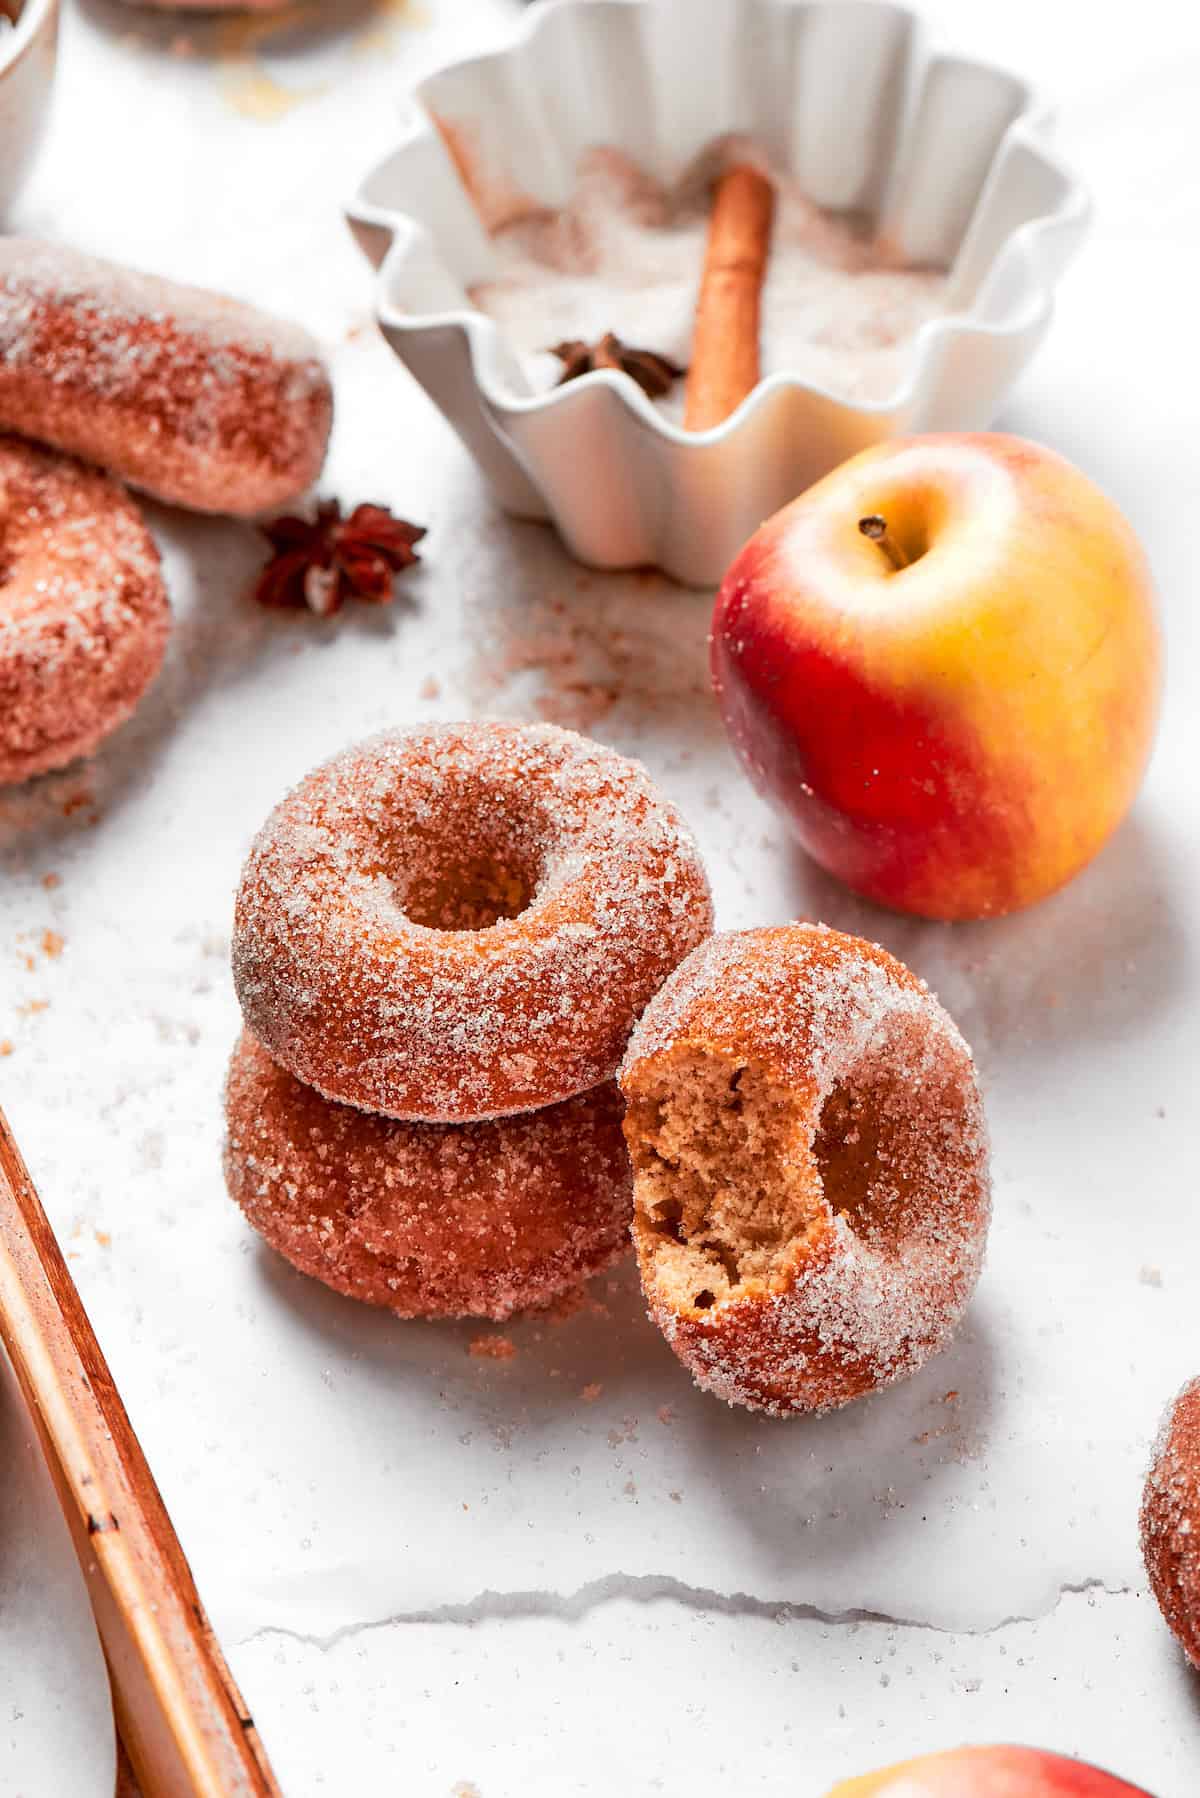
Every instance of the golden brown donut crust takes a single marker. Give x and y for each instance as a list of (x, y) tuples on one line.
[(428, 1220), (1170, 1520), (84, 618), (462, 921), (195, 398), (811, 1167)]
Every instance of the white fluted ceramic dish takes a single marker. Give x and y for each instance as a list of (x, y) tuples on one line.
[(28, 54), (948, 157)]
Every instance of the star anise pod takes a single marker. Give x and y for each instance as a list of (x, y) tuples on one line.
[(322, 562), (654, 374)]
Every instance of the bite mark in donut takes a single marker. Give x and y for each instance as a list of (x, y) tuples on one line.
[(810, 1156)]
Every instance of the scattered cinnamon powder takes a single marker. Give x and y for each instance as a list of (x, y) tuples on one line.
[(52, 943), (50, 881), (591, 1392), (6, 1047)]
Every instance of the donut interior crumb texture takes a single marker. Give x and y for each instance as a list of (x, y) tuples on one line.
[(720, 1186), (733, 1183)]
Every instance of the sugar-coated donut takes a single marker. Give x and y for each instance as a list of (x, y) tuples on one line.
[(1170, 1520), (810, 1154), (192, 397), (210, 6), (84, 618), (461, 921), (429, 1220)]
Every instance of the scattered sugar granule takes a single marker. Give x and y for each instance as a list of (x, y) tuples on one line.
[(1150, 1276)]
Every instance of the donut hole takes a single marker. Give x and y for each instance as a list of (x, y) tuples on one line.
[(891, 1140), (468, 865), (725, 1180), (468, 890)]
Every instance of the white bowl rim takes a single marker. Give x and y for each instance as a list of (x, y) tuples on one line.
[(33, 15), (1030, 124)]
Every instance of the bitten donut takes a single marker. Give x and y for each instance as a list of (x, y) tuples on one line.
[(429, 1220), (461, 921), (192, 397), (811, 1168), (1170, 1520), (84, 618)]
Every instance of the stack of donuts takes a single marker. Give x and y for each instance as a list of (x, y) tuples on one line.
[(443, 939), (447, 942), (193, 398)]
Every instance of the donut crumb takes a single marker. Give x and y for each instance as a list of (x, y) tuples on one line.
[(492, 1348)]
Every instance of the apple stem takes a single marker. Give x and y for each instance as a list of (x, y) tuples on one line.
[(876, 529)]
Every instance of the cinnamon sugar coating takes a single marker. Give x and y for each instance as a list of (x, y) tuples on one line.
[(195, 398), (1170, 1520), (428, 1220), (84, 618), (462, 921), (811, 1167)]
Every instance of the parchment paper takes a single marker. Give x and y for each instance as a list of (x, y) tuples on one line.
[(330, 1469)]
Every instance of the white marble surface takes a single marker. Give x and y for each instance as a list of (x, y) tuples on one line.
[(439, 1573)]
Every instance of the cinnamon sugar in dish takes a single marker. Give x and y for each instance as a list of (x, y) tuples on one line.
[(839, 308)]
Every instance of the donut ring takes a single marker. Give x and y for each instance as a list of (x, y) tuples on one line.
[(84, 618), (462, 921), (428, 1220), (192, 397), (811, 1195), (1170, 1520)]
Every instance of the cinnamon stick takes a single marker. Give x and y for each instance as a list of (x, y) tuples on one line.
[(725, 353)]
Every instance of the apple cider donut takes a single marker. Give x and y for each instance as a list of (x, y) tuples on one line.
[(429, 1220), (811, 1194), (192, 397), (1170, 1520), (460, 921), (84, 618)]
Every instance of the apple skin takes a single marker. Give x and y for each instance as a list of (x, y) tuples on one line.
[(1000, 1772), (959, 737)]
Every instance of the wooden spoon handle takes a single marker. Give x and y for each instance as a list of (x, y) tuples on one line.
[(180, 1716)]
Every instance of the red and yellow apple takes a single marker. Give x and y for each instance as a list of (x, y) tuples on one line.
[(1001, 1772), (943, 664)]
